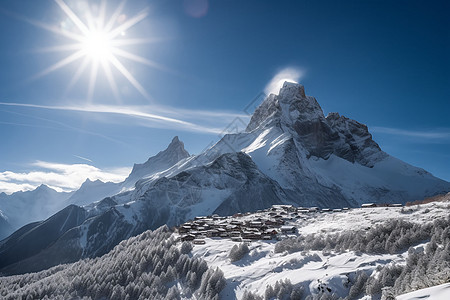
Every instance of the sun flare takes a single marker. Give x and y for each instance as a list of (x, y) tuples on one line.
[(98, 42)]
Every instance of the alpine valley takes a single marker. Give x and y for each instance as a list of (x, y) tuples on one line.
[(289, 154)]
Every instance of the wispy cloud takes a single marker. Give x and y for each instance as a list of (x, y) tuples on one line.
[(61, 177), (287, 74), (436, 134), (153, 116), (58, 126), (83, 158)]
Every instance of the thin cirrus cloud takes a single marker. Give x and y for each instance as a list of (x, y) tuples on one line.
[(440, 135), (61, 177), (211, 122)]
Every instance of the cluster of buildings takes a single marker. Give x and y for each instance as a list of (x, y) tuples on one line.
[(276, 222), (272, 223)]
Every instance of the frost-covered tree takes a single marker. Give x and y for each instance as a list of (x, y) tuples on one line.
[(238, 252), (149, 266)]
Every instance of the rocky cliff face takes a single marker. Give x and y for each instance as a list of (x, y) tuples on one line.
[(302, 117)]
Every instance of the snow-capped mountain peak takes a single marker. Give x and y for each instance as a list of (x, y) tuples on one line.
[(160, 162), (291, 105)]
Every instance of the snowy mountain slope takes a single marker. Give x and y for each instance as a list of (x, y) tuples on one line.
[(218, 187), (35, 237), (321, 161), (334, 152), (153, 263), (92, 191), (440, 292), (325, 161), (312, 269), (5, 227), (325, 273), (21, 208)]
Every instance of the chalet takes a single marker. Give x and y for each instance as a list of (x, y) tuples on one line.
[(184, 229), (230, 228), (367, 205), (267, 237), (395, 205), (303, 211), (271, 223), (212, 233), (313, 209), (222, 230), (288, 229), (187, 237), (236, 222), (280, 222), (256, 224), (199, 242), (270, 232), (284, 207), (337, 210), (235, 234), (326, 210), (251, 235), (236, 239)]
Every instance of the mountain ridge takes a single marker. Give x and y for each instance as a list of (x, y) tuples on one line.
[(290, 153)]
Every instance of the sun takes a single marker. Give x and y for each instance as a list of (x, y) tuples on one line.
[(97, 45), (98, 42)]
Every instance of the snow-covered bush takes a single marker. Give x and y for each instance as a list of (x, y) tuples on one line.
[(283, 289), (238, 252)]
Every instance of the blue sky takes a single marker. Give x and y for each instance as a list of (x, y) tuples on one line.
[(193, 66)]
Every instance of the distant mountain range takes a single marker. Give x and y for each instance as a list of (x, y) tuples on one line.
[(290, 153)]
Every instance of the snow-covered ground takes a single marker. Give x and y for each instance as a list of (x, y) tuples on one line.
[(439, 292), (262, 267), (312, 269)]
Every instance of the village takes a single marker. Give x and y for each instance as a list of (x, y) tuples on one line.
[(274, 223)]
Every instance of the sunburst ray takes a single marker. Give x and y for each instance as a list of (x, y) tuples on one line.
[(98, 41)]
